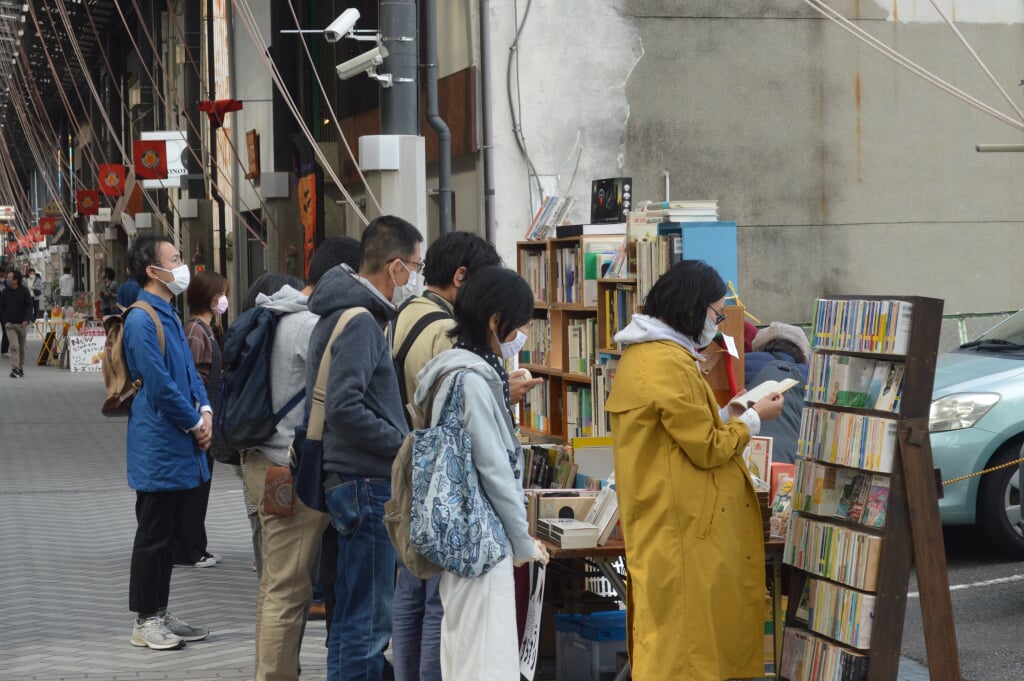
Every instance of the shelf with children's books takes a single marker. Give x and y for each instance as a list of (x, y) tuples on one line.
[(865, 503)]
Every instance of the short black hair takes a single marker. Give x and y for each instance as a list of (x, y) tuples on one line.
[(386, 238), (16, 276), (109, 272), (489, 290), (142, 254), (67, 270), (454, 250), (331, 252), (269, 283), (681, 296)]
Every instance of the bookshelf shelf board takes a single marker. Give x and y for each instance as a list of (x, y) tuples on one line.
[(576, 378), (540, 245), (886, 356), (541, 369), (539, 437), (573, 307), (839, 465), (619, 280), (849, 525), (610, 351), (540, 305), (873, 413)]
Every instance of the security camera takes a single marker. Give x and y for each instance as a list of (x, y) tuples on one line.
[(341, 26), (366, 62)]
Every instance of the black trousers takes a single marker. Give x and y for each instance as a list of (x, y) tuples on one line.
[(159, 517), (5, 344), (190, 544)]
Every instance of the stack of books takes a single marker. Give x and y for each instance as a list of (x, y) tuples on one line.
[(682, 211), (568, 533)]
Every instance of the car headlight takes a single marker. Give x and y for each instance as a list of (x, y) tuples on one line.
[(961, 410)]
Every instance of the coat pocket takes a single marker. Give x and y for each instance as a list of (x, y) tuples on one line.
[(707, 516)]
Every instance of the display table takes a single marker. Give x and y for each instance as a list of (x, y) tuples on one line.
[(602, 558)]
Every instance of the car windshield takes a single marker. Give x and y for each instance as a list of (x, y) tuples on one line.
[(1007, 336)]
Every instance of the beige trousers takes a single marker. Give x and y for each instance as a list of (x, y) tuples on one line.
[(16, 335), (290, 547)]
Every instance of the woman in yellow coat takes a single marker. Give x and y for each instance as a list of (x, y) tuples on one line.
[(690, 517)]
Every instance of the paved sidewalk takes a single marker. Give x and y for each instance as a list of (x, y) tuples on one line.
[(65, 538), (68, 521)]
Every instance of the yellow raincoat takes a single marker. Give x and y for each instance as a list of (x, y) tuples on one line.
[(691, 522)]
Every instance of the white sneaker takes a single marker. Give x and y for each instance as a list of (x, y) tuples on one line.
[(208, 560), (153, 632), (183, 629)]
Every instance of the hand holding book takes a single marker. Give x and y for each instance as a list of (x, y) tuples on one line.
[(765, 398)]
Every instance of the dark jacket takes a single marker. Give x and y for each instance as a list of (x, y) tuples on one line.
[(16, 305), (364, 419), (759, 367)]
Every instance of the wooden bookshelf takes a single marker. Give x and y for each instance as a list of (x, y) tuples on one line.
[(857, 567)]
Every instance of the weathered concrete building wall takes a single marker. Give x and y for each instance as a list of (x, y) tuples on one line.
[(845, 172)]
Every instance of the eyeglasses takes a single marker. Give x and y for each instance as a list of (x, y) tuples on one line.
[(416, 266), (719, 317)]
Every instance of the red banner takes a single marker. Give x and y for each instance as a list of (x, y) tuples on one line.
[(112, 177), (36, 235), (150, 159), (88, 202), (48, 225)]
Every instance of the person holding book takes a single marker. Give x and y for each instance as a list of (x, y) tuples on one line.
[(690, 517), (781, 351), (479, 641)]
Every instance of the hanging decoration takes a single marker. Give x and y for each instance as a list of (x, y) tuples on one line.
[(48, 226), (217, 109), (150, 157), (87, 201), (112, 178)]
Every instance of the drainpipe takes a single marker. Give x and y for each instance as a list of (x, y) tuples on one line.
[(487, 139), (444, 136)]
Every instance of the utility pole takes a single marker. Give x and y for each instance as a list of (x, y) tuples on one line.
[(399, 104)]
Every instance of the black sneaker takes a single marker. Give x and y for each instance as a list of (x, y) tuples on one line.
[(21, 373), (14, 373)]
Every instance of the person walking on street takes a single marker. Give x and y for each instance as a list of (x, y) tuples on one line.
[(364, 427), (16, 312), (108, 292), (169, 429), (67, 287), (34, 283), (207, 298)]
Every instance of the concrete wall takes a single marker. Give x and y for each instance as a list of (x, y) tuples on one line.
[(846, 173)]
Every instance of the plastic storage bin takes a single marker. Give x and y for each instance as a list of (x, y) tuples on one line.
[(587, 645)]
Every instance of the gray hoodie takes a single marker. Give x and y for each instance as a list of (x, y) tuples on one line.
[(364, 417), (493, 435), (287, 365)]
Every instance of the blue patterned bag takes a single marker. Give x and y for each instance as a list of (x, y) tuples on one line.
[(453, 523)]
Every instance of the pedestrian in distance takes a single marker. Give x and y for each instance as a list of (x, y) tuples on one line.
[(479, 640), (108, 292), (170, 428), (15, 314), (364, 426), (690, 516), (66, 282), (34, 283), (207, 298)]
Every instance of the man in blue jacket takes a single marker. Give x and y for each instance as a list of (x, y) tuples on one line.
[(364, 425), (169, 428)]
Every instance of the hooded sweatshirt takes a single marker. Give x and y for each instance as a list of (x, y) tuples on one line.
[(364, 422), (644, 329), (287, 365), (494, 442)]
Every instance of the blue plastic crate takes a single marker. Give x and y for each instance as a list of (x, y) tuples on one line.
[(588, 644)]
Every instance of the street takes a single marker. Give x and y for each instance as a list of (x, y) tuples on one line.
[(68, 524)]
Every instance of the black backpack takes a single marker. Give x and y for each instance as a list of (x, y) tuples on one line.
[(246, 416), (410, 338)]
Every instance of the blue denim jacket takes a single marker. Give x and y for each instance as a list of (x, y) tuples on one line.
[(162, 454)]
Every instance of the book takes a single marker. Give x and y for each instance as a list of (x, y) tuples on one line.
[(758, 456), (762, 390), (600, 229), (604, 514), (889, 392), (568, 533), (878, 501)]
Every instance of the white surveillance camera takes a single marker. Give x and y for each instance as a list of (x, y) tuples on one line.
[(367, 61), (341, 26)]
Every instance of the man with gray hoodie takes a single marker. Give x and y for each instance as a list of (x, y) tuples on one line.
[(290, 544), (364, 425)]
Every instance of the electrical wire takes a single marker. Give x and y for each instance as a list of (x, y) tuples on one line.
[(517, 129)]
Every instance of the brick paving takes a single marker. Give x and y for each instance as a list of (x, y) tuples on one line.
[(65, 540)]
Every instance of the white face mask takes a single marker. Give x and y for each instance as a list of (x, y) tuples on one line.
[(181, 279), (513, 347), (410, 289), (708, 334), (222, 305)]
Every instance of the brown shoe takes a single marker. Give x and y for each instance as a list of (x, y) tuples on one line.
[(317, 611)]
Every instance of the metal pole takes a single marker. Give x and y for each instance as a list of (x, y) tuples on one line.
[(212, 87), (486, 124), (444, 135), (399, 104)]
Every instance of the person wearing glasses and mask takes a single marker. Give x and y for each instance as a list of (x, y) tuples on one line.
[(169, 430), (690, 516), (364, 425)]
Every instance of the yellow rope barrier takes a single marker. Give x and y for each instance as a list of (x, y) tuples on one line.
[(987, 470)]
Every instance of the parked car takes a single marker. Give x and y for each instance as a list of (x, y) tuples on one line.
[(977, 422)]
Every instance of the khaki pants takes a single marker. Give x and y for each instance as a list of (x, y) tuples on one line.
[(290, 547), (16, 335)]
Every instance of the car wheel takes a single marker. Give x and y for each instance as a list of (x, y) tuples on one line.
[(999, 503)]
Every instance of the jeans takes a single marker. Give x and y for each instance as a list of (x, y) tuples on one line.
[(416, 641), (365, 582)]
